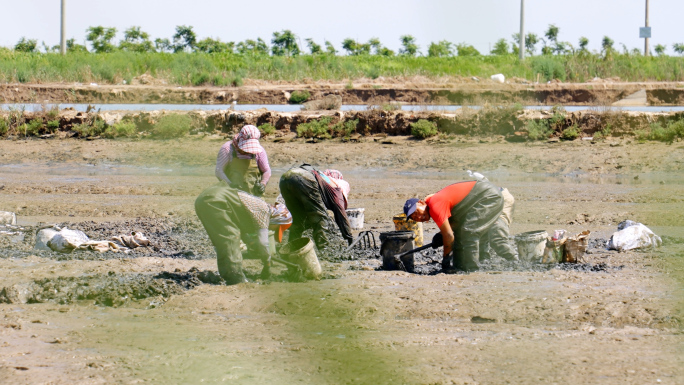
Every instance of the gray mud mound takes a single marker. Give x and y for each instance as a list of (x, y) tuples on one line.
[(111, 289)]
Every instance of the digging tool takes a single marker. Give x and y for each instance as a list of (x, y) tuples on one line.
[(366, 236), (296, 268), (437, 241)]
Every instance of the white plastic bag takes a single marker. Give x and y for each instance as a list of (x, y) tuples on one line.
[(43, 237), (67, 240), (499, 78), (8, 218), (636, 236)]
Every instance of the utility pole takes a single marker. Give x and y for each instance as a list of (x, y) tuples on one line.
[(62, 40), (646, 39), (522, 30)]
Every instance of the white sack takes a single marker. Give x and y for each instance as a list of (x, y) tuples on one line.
[(8, 218), (43, 237), (634, 237), (67, 240)]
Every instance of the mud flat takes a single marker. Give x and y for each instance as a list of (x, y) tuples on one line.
[(160, 314)]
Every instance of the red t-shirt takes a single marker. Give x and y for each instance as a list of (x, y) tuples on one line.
[(444, 200)]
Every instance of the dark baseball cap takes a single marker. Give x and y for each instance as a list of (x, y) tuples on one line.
[(410, 207)]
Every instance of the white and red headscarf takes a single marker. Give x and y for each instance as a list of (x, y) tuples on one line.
[(339, 181), (247, 140)]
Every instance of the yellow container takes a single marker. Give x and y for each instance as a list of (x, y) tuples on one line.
[(400, 223)]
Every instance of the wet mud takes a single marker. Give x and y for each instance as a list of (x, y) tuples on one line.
[(161, 314)]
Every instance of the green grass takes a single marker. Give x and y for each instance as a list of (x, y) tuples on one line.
[(172, 126), (223, 69), (267, 129), (315, 128), (122, 129), (660, 133), (299, 97), (423, 129)]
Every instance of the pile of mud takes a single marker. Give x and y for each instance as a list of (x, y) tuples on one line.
[(111, 289), (429, 261)]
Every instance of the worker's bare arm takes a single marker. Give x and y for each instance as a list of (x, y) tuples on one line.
[(447, 236)]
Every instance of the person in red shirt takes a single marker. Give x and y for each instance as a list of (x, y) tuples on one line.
[(464, 212)]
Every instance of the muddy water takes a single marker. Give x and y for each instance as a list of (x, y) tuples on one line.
[(160, 314)]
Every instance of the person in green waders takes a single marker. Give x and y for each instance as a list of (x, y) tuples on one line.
[(243, 163), (230, 215)]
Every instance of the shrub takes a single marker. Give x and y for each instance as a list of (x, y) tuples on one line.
[(538, 129), (31, 128), (570, 133), (423, 129), (657, 132), (121, 129), (52, 113), (299, 97), (53, 125), (88, 129), (549, 68), (199, 79), (4, 126), (345, 128), (315, 128), (172, 126), (267, 129)]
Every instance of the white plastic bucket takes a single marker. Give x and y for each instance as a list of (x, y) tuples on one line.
[(355, 218), (531, 245), (301, 252)]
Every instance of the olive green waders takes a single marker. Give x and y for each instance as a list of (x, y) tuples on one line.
[(470, 221), (225, 219), (303, 198), (497, 235)]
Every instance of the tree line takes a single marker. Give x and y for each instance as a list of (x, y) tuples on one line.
[(285, 43)]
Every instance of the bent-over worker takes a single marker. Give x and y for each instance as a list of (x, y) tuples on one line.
[(243, 163), (229, 215), (308, 193), (464, 212)]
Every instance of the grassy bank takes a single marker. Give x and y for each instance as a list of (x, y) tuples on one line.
[(224, 69)]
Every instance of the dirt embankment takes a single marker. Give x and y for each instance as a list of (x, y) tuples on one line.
[(358, 93), (510, 122)]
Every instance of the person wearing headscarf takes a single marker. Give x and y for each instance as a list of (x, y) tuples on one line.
[(243, 163), (308, 194), (230, 215)]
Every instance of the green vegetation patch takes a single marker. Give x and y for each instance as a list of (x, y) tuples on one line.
[(172, 126), (299, 97), (423, 129)]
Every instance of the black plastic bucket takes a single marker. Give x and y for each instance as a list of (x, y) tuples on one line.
[(393, 243)]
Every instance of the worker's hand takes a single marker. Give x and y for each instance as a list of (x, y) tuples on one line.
[(259, 189), (446, 262), (266, 271), (437, 241)]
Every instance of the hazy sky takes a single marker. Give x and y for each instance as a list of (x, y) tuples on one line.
[(476, 22)]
